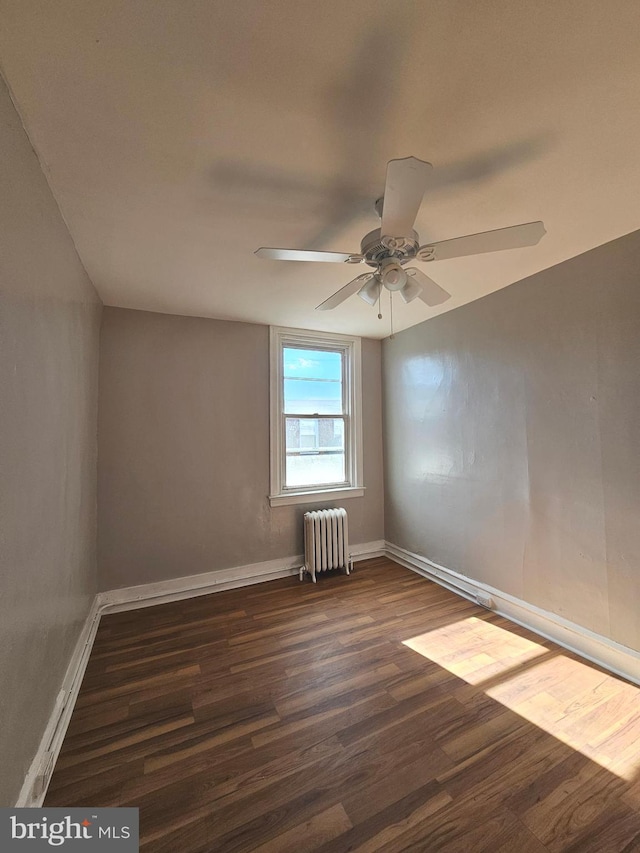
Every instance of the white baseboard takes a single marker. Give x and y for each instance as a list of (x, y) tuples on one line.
[(369, 550), (37, 780), (145, 595), (618, 659), (148, 594)]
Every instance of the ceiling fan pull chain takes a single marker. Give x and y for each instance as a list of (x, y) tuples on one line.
[(379, 305), (391, 315)]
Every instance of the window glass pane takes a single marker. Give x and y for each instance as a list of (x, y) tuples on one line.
[(315, 451), (312, 363), (312, 381), (309, 397)]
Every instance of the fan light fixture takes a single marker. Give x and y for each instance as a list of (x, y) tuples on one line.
[(370, 291), (410, 291), (392, 275)]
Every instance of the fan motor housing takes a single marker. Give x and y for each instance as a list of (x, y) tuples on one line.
[(374, 250)]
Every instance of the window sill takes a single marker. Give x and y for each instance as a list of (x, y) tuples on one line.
[(316, 497)]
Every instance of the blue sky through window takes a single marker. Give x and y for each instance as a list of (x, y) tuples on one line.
[(312, 381)]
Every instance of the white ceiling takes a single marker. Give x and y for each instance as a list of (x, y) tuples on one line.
[(180, 135)]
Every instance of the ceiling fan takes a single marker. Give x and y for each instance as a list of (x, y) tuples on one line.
[(387, 249)]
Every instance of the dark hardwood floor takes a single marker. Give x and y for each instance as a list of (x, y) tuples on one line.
[(376, 712)]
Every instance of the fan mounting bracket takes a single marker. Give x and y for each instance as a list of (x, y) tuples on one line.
[(376, 248)]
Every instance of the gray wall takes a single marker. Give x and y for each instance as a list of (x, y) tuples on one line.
[(184, 450), (49, 327), (512, 440)]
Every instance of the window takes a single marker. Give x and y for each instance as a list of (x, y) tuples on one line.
[(316, 429)]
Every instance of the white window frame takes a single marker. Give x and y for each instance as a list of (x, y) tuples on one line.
[(279, 338)]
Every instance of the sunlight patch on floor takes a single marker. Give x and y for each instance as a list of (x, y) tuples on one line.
[(593, 712)]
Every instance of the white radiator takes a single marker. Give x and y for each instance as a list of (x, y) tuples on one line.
[(326, 542)]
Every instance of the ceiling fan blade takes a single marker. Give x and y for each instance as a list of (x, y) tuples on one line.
[(431, 293), (514, 237), (406, 182), (344, 292), (307, 255)]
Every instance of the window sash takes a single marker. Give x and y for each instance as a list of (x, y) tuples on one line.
[(319, 452)]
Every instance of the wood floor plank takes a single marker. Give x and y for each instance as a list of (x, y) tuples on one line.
[(343, 712), (232, 732), (96, 695), (308, 699), (571, 810), (311, 834), (483, 834), (369, 800), (519, 839), (88, 753), (66, 788), (382, 831), (375, 712)]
